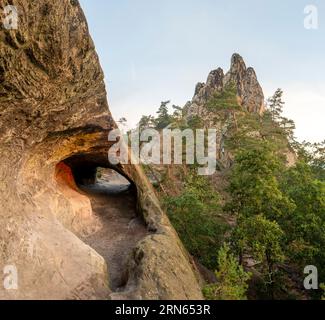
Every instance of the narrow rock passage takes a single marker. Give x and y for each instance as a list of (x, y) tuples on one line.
[(114, 204)]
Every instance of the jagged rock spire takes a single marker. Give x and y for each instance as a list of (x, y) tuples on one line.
[(250, 93)]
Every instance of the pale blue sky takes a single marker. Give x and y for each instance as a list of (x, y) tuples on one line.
[(154, 50)]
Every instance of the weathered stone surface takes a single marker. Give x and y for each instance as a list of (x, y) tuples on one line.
[(250, 93), (53, 107), (249, 96)]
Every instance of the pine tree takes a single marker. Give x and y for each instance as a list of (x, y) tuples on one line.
[(276, 105), (231, 278), (163, 119), (146, 122)]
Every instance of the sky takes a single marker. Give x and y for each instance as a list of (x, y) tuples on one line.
[(153, 51)]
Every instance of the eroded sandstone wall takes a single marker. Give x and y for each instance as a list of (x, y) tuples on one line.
[(53, 106)]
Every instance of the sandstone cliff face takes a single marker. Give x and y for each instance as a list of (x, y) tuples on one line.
[(53, 107), (250, 93)]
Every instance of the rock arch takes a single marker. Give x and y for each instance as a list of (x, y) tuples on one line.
[(53, 107)]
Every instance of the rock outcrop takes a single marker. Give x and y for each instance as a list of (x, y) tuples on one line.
[(54, 122), (249, 91), (250, 98)]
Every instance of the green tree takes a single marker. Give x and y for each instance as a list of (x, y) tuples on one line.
[(178, 119), (231, 278), (225, 100), (224, 106), (194, 214), (163, 119), (261, 239), (288, 126), (305, 227), (195, 122), (146, 122), (178, 112), (308, 194), (276, 105), (245, 130), (254, 188), (314, 155)]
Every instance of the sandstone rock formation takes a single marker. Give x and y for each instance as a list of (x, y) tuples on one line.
[(54, 122), (250, 97), (250, 93)]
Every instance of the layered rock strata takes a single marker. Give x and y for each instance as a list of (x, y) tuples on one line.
[(54, 121)]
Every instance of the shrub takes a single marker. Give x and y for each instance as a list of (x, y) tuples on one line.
[(232, 279)]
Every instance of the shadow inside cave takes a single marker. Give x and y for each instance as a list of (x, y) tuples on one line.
[(114, 204)]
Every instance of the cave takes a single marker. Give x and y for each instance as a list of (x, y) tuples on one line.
[(85, 166), (57, 224), (113, 199)]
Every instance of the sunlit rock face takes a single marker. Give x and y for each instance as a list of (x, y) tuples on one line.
[(250, 98), (249, 92), (53, 108)]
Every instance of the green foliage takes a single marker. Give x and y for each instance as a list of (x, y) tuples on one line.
[(146, 122), (243, 133), (248, 129), (305, 227), (178, 119), (195, 122), (323, 288), (314, 155), (194, 215), (231, 279), (280, 134), (281, 123), (163, 119), (281, 211), (261, 238), (226, 100), (259, 203), (276, 104), (254, 188)]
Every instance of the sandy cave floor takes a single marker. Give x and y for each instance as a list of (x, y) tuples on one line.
[(114, 204)]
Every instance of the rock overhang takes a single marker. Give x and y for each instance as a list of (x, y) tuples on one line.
[(53, 107)]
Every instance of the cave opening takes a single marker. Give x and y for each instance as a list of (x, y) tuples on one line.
[(113, 200)]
